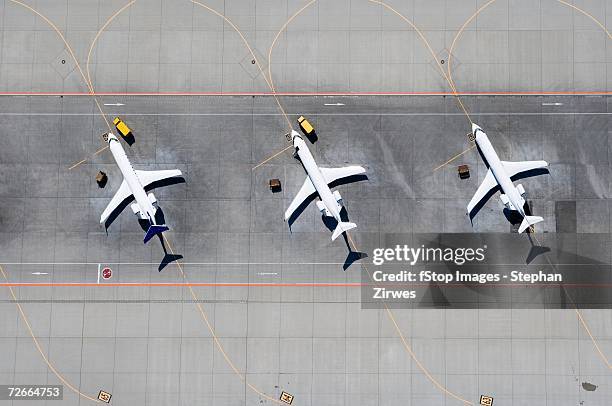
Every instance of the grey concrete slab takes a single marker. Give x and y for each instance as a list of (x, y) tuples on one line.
[(181, 47), (151, 344)]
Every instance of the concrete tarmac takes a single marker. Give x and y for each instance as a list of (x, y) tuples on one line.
[(151, 345)]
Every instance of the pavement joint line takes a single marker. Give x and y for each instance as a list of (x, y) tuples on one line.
[(432, 52), (458, 34), (608, 34), (95, 40), (88, 78), (405, 343), (477, 12), (293, 16), (315, 94), (578, 314), (211, 329), (242, 263), (257, 62), (21, 312), (455, 157), (435, 58), (271, 79), (552, 113), (70, 50), (57, 374), (290, 284)]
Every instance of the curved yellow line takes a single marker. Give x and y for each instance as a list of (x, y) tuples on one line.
[(39, 347), (487, 4), (311, 2), (598, 23), (407, 346), (455, 157), (431, 51), (246, 43), (595, 20), (271, 157), (211, 329), (93, 43), (57, 30), (593, 340), (465, 24)]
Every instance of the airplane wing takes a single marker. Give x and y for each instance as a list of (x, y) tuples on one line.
[(149, 177), (333, 174), (488, 186), (121, 195), (516, 169), (305, 192)]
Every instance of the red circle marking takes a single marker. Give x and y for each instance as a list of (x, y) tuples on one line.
[(107, 273)]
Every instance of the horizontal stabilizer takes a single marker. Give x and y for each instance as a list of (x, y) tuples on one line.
[(341, 228), (528, 221), (153, 230)]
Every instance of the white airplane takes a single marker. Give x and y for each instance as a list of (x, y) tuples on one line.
[(500, 176), (318, 181), (133, 187)]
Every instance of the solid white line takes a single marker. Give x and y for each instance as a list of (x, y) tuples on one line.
[(98, 273)]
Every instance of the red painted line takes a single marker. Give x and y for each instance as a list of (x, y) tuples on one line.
[(126, 94), (161, 284), (296, 285)]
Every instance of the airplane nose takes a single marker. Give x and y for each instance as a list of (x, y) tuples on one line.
[(475, 127)]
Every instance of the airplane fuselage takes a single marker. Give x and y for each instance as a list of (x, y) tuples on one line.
[(500, 174), (147, 210), (316, 177)]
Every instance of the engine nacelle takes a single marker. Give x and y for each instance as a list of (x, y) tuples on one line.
[(323, 209), (505, 201), (136, 210), (338, 198), (520, 189), (152, 199)]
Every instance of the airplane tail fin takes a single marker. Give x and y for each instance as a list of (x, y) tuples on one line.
[(341, 228), (153, 230), (529, 221)]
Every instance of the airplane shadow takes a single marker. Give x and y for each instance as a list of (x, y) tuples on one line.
[(352, 255), (165, 182), (312, 197), (523, 175), (168, 257), (514, 218)]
